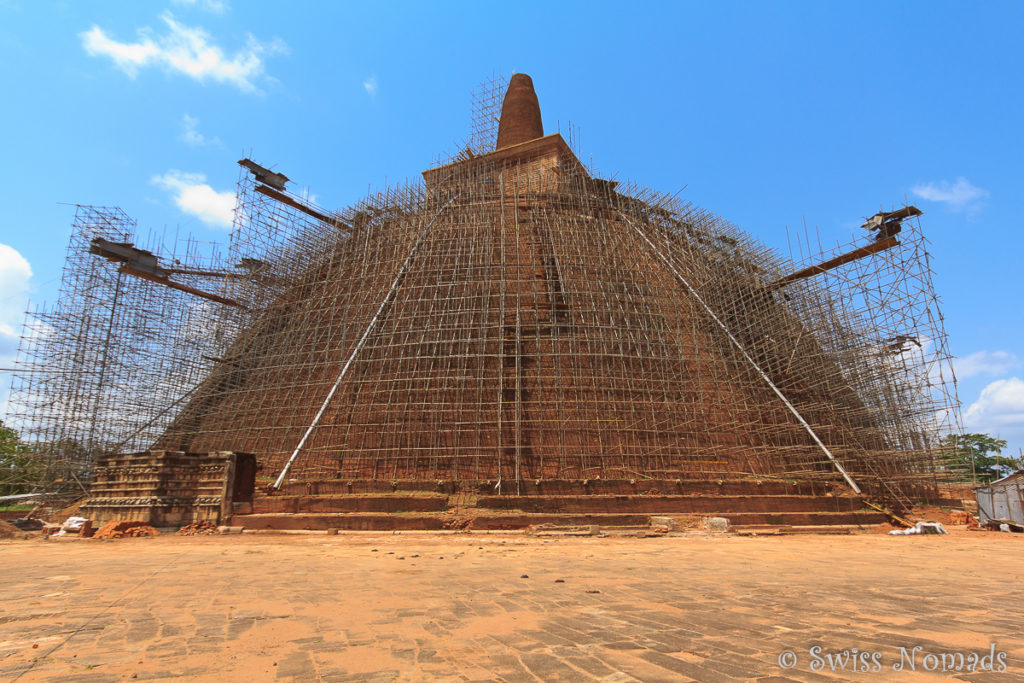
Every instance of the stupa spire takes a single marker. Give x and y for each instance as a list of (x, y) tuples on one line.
[(520, 113)]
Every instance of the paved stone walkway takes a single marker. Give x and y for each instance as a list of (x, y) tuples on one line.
[(415, 607)]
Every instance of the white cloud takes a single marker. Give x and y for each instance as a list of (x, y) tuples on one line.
[(184, 50), (127, 56), (985, 363), (195, 197), (371, 86), (957, 195), (15, 274), (192, 137), (999, 409), (213, 6), (8, 344)]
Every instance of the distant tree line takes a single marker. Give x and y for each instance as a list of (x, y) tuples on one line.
[(978, 457), (31, 468), (18, 469)]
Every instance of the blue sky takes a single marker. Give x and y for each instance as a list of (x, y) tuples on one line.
[(769, 114)]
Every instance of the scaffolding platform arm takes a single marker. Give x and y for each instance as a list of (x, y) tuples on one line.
[(859, 253), (889, 223), (264, 175), (143, 264), (139, 260)]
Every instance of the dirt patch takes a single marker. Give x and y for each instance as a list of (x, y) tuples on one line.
[(930, 513), (70, 511), (8, 530)]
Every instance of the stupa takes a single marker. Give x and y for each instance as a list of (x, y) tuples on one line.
[(516, 326)]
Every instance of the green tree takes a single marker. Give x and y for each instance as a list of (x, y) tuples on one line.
[(10, 442), (18, 469), (976, 456)]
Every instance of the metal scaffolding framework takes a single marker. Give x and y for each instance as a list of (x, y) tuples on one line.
[(512, 317)]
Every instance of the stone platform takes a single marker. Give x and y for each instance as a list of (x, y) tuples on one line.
[(417, 505), (170, 488)]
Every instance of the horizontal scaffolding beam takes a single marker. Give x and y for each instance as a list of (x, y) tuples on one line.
[(848, 257), (304, 208)]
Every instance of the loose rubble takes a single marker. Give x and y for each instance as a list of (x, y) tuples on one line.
[(198, 529), (125, 529)]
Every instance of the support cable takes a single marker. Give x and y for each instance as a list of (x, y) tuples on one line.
[(739, 347), (359, 345)]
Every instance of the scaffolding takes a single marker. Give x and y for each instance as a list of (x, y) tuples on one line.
[(511, 317), (101, 369)]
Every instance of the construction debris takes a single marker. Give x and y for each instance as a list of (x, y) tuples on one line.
[(27, 524), (125, 529), (920, 528), (959, 517), (198, 529), (75, 525), (1007, 525)]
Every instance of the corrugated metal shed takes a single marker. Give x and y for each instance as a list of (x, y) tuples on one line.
[(1002, 499)]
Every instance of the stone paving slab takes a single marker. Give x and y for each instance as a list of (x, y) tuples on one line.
[(470, 607)]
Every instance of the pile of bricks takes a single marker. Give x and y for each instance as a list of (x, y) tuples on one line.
[(125, 529), (198, 528), (957, 517)]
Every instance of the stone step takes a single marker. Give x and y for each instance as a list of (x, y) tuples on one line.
[(423, 521), (856, 518), (702, 504), (438, 521), (350, 503), (551, 487), (787, 530), (330, 487)]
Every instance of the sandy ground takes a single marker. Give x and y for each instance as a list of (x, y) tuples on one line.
[(412, 607)]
